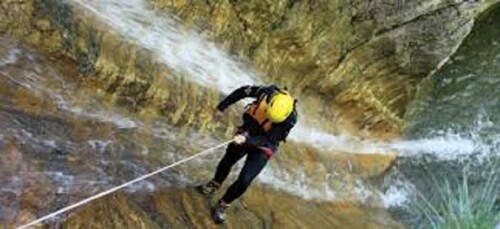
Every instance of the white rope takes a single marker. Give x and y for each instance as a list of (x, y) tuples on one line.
[(82, 202)]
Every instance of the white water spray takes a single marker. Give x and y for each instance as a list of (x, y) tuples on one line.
[(10, 58), (204, 63), (182, 50), (187, 54)]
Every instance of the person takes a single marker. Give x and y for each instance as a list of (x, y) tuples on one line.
[(266, 122)]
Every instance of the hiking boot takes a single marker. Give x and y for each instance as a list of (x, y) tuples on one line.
[(208, 188), (218, 212)]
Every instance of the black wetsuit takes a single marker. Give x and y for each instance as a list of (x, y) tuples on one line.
[(259, 146)]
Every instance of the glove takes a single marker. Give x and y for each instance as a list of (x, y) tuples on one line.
[(239, 139)]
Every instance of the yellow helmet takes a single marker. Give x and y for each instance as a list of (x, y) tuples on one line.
[(279, 107)]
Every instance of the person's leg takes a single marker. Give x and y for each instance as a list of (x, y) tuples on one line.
[(255, 162), (233, 154)]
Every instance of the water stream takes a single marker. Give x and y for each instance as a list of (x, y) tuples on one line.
[(72, 140)]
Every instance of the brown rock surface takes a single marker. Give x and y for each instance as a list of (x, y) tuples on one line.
[(260, 208), (356, 65)]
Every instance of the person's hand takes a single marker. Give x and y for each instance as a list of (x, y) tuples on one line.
[(218, 115), (239, 139)]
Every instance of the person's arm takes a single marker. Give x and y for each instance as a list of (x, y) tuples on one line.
[(238, 94)]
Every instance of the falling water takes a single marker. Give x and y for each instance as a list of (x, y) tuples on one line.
[(203, 62)]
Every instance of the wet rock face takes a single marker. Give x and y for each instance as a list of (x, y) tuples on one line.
[(105, 59), (261, 208), (62, 140), (463, 92), (369, 55), (357, 61), (459, 100)]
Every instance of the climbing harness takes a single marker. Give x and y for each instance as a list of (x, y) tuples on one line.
[(109, 191)]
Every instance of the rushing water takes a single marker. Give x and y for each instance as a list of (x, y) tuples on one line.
[(204, 63), (65, 140), (462, 98), (460, 101), (76, 141)]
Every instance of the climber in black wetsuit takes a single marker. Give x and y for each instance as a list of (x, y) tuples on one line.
[(266, 122)]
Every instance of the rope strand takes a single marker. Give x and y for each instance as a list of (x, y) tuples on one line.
[(109, 191)]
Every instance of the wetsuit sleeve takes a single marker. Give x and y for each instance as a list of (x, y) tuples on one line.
[(238, 94)]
